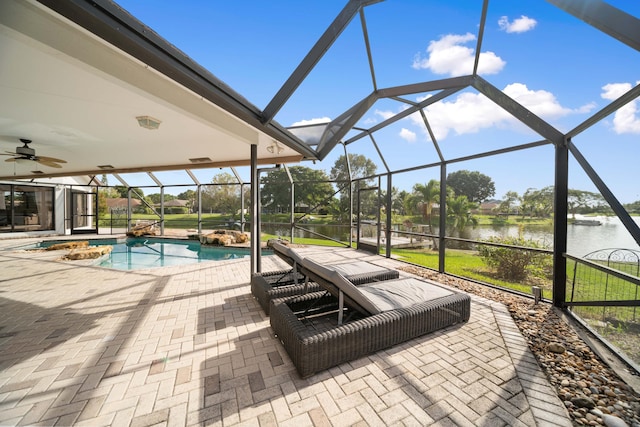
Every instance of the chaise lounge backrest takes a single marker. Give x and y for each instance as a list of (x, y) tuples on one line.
[(338, 286), (287, 254)]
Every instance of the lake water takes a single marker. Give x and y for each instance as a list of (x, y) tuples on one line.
[(581, 239)]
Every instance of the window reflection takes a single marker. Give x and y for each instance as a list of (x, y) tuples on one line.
[(25, 208)]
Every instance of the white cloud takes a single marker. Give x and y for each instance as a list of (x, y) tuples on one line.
[(626, 119), (312, 121), (540, 102), (586, 108), (518, 25), (408, 135), (449, 55), (471, 112), (311, 134), (384, 114)]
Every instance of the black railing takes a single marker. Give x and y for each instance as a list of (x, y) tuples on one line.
[(602, 293)]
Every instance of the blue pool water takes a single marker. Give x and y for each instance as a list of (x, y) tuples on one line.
[(140, 252)]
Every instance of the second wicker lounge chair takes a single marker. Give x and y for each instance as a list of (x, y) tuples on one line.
[(323, 329), (284, 283)]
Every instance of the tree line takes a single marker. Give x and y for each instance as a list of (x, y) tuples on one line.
[(317, 191)]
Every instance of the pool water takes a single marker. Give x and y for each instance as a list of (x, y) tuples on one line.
[(136, 253)]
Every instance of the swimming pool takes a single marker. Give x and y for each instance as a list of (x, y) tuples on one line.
[(134, 253)]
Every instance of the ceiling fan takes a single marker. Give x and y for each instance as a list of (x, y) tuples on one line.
[(25, 154)]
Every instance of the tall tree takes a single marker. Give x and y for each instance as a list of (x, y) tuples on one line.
[(398, 201), (476, 186), (508, 203), (360, 167), (154, 198), (223, 195), (580, 199), (312, 188), (192, 197), (537, 203)]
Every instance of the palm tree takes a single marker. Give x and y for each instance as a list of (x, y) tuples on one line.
[(459, 212), (426, 195)]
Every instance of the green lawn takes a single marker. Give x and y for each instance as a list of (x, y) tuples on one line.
[(465, 264)]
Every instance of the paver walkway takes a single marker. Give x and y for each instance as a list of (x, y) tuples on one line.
[(188, 345)]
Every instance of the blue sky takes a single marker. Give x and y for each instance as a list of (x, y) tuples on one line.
[(557, 66)]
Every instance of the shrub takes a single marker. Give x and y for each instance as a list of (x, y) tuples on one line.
[(515, 264)]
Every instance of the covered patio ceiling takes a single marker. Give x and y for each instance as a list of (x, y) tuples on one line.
[(77, 98)]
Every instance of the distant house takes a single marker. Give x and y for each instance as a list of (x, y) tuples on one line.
[(120, 203), (490, 207), (302, 207), (177, 203)]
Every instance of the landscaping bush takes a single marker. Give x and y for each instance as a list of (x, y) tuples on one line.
[(515, 264)]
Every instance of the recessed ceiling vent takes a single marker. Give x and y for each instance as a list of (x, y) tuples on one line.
[(201, 160)]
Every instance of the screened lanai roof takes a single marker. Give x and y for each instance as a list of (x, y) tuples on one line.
[(81, 75)]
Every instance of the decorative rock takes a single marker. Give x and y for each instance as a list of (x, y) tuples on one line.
[(583, 402), (224, 237), (139, 232), (611, 421), (556, 348), (68, 245), (88, 253)]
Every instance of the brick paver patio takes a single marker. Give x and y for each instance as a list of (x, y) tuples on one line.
[(188, 345)]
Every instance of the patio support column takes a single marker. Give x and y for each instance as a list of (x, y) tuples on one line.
[(388, 219), (378, 224), (128, 208), (254, 210), (560, 224), (293, 210), (443, 217), (199, 196), (162, 211), (242, 209)]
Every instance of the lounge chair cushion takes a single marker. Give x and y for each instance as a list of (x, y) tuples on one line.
[(357, 268), (401, 293), (380, 296), (341, 284)]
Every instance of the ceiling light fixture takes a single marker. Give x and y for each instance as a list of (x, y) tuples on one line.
[(275, 148), (201, 160), (148, 122)]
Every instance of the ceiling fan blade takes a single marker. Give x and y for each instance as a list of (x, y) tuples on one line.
[(50, 159), (49, 163), (12, 159)]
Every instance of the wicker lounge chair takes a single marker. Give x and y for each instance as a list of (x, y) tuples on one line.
[(284, 283), (324, 329)]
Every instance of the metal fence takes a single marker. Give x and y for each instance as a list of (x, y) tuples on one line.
[(602, 292)]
